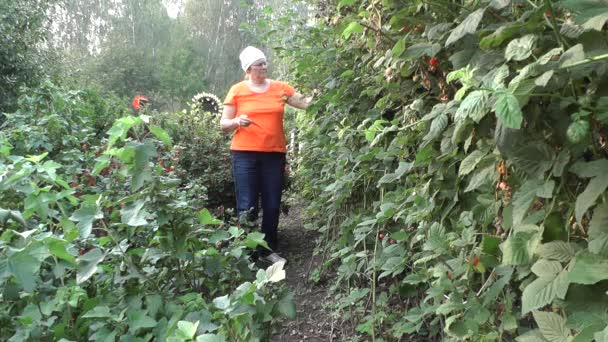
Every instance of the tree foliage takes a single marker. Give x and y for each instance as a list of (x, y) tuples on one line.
[(22, 61)]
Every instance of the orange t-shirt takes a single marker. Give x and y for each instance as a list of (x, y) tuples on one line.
[(265, 110)]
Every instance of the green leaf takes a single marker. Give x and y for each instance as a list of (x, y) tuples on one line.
[(590, 169), (480, 178), (36, 159), (255, 239), (205, 217), (601, 336), (556, 250), (437, 127), (531, 336), (222, 302), (24, 267), (599, 222), (543, 79), (499, 36), (523, 198), (143, 153), (598, 230), (138, 319), (85, 216), (101, 163), (505, 273), (572, 56), (490, 244), (508, 110), (353, 27), (587, 198), (552, 326), (134, 214), (98, 312), (286, 306), (346, 3), (418, 50), (187, 329), (210, 338), (402, 169), (58, 248), (275, 272), (588, 268), (596, 23), (547, 268), (475, 106), (162, 135), (560, 163), (468, 26), (543, 291), (468, 164), (519, 247), (87, 264), (520, 49), (121, 127), (499, 4), (399, 48)]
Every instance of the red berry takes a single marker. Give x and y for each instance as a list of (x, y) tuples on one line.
[(475, 261), (433, 62), (381, 236), (392, 242)]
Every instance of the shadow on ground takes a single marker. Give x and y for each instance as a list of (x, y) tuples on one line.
[(313, 321)]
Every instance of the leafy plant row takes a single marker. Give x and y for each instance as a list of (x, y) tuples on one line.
[(103, 237), (456, 163)]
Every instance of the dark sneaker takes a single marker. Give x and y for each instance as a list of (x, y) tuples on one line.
[(273, 258)]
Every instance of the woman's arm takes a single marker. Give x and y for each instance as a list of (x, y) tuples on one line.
[(298, 100), (229, 122)]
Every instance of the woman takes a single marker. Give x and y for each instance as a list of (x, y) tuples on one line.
[(254, 109)]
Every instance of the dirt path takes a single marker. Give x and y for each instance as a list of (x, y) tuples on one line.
[(313, 321)]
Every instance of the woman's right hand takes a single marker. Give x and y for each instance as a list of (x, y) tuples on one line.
[(242, 121)]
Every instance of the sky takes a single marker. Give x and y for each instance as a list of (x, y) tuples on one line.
[(173, 7)]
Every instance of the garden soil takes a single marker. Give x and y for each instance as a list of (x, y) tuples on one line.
[(314, 320)]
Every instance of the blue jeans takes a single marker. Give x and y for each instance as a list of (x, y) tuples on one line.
[(259, 173)]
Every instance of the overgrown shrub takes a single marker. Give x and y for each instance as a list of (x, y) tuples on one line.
[(103, 242), (205, 152), (456, 164)]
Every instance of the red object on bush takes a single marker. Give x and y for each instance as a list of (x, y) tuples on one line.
[(433, 62), (139, 101)]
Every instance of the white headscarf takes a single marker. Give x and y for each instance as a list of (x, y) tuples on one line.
[(249, 56)]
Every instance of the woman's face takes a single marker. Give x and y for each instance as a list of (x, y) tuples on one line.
[(258, 70)]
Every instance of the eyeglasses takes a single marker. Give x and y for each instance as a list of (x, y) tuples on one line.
[(259, 65)]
